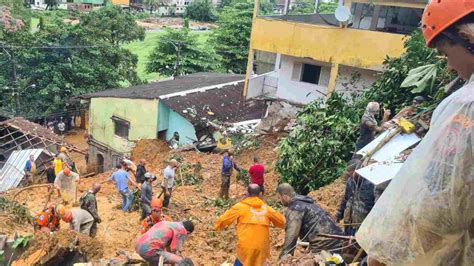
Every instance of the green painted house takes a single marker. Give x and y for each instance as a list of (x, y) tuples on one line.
[(118, 118)]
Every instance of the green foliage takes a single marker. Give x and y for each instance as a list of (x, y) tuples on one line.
[(192, 57), (232, 37), (244, 177), (190, 173), (201, 10), (267, 7), (137, 202), (112, 25), (302, 7), (242, 142), (327, 8), (72, 60), (315, 152), (22, 241), (387, 89), (20, 213), (51, 4), (152, 4)]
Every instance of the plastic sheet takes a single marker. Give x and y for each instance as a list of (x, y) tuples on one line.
[(426, 215), (67, 185)]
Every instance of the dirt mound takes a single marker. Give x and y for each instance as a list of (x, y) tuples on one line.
[(330, 196), (62, 246), (149, 149)]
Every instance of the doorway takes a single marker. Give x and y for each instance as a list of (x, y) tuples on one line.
[(100, 163)]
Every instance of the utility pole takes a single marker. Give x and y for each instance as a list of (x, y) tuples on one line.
[(178, 51), (15, 89)]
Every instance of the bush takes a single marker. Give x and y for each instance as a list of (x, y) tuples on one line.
[(315, 152)]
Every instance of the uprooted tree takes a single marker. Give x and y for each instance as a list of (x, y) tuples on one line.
[(317, 149)]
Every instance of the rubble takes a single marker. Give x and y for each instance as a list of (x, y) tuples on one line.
[(61, 247), (280, 117)]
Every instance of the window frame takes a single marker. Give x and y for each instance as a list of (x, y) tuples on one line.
[(125, 123), (318, 80)]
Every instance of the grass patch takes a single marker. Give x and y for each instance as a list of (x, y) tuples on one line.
[(143, 48)]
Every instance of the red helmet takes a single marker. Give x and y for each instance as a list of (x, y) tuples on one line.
[(67, 171), (156, 204), (441, 14)]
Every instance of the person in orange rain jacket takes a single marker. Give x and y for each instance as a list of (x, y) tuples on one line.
[(155, 217), (253, 218), (48, 220)]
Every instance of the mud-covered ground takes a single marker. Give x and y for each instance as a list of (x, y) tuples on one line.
[(205, 246)]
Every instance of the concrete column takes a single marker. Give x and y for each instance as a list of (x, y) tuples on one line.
[(248, 73), (286, 7), (375, 17), (333, 78), (277, 62)]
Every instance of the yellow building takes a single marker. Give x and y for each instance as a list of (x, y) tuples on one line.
[(315, 54), (121, 2)]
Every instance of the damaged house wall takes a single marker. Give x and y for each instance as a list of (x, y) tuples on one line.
[(105, 145), (186, 130)]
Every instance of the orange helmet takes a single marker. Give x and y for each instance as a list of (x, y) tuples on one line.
[(441, 14), (67, 171), (67, 217), (156, 203)]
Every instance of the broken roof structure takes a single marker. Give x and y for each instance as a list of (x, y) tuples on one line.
[(12, 172), (223, 102), (20, 134)]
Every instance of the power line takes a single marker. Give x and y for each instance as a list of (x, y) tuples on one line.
[(52, 47)]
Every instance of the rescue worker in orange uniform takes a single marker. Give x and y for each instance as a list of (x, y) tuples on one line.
[(48, 220), (253, 218), (155, 217)]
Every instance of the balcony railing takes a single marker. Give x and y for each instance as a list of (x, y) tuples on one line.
[(264, 85), (391, 19)]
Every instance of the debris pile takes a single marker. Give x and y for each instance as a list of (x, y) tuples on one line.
[(64, 246), (281, 116)]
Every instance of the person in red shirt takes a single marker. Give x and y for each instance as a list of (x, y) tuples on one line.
[(256, 172)]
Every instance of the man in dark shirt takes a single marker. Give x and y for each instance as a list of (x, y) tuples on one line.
[(228, 165), (89, 203), (146, 194), (50, 175), (306, 220), (256, 172), (141, 170), (356, 204)]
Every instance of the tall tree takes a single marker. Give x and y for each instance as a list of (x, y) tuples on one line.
[(232, 37), (113, 25), (178, 53), (201, 10)]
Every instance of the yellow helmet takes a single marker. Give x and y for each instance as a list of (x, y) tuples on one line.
[(63, 149)]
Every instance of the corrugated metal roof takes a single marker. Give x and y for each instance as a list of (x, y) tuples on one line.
[(12, 172), (156, 89), (225, 104)]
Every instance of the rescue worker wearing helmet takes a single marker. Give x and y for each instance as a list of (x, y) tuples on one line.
[(79, 220), (426, 214), (48, 220), (66, 182), (155, 217)]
